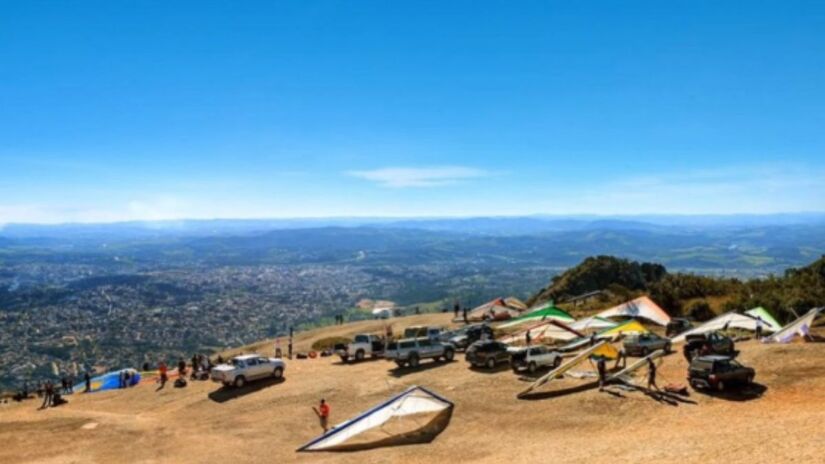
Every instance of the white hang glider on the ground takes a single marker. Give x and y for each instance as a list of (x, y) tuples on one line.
[(731, 320), (416, 415), (559, 371), (800, 327)]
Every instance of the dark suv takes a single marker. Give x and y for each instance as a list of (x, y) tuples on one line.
[(677, 325), (466, 336), (707, 344), (487, 354), (718, 373), (644, 344)]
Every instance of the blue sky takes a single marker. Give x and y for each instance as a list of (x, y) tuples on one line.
[(158, 110)]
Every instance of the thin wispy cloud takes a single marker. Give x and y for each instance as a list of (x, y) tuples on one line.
[(402, 177)]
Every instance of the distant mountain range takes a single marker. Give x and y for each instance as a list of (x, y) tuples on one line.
[(736, 245)]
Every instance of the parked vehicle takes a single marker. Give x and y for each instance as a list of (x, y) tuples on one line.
[(487, 353), (718, 372), (532, 358), (242, 369), (707, 344), (644, 344), (677, 325), (466, 336), (363, 345), (419, 331), (412, 350)]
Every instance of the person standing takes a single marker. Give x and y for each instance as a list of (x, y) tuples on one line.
[(48, 394), (87, 379), (278, 353), (602, 368), (464, 314), (527, 337), (651, 374), (289, 348), (163, 374), (323, 414), (759, 328), (456, 309), (181, 368)]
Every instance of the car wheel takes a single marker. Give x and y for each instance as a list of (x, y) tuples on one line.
[(400, 363), (278, 372), (531, 368), (344, 359), (448, 355), (557, 362), (240, 381), (720, 386), (491, 363), (359, 355), (413, 360)]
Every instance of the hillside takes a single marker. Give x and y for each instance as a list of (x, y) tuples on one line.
[(696, 296), (266, 422)]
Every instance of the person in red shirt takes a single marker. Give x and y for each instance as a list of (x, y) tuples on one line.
[(163, 376), (323, 414)]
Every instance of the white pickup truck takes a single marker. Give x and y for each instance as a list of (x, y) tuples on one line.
[(362, 345), (242, 369)]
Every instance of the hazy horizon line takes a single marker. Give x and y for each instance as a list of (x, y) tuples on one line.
[(417, 217)]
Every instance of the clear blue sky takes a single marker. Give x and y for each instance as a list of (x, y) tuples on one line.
[(153, 110)]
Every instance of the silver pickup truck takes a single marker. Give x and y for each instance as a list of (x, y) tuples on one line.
[(241, 369), (412, 350)]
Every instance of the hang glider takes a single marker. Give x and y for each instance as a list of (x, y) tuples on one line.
[(559, 371), (767, 318), (543, 331), (626, 328), (624, 374), (111, 380), (593, 323), (542, 313), (800, 327), (417, 415), (730, 320), (631, 327), (498, 310), (640, 307)]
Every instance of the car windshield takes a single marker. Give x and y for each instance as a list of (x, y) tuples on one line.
[(238, 363), (408, 344), (361, 339), (392, 346)]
